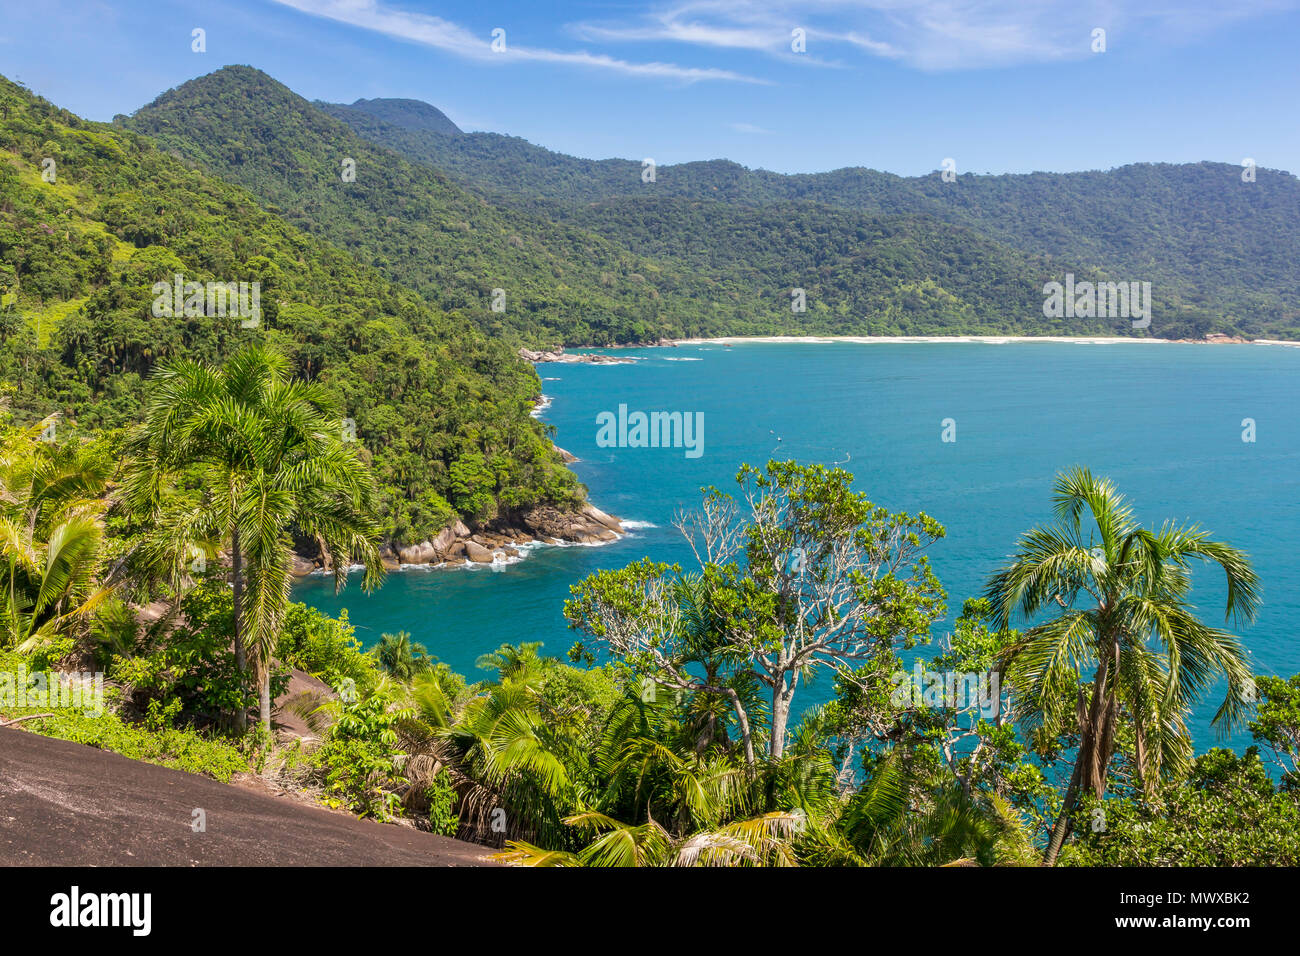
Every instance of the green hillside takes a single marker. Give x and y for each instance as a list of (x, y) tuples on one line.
[(407, 114), (415, 224), (443, 411), (1221, 254), (628, 271)]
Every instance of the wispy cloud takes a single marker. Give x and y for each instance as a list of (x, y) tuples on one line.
[(750, 128), (721, 24), (927, 34), (440, 34)]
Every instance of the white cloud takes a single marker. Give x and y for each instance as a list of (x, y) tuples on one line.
[(750, 128), (440, 34), (929, 34)]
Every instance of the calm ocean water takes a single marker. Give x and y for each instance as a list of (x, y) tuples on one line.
[(1164, 421)]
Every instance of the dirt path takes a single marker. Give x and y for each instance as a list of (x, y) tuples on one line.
[(65, 804)]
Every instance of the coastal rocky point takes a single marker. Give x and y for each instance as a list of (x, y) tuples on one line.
[(496, 541), (559, 355)]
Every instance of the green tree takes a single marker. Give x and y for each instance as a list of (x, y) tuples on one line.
[(1226, 812), (268, 453), (814, 576), (1277, 723), (399, 656), (1122, 593), (51, 537)]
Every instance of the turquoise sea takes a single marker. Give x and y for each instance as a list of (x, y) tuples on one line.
[(1164, 421)]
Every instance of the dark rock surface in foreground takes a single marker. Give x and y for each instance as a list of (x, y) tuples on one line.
[(65, 804)]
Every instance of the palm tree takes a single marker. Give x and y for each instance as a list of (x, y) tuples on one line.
[(902, 817), (51, 534), (1122, 593), (521, 664), (399, 656), (268, 450), (651, 769), (502, 741), (766, 840)]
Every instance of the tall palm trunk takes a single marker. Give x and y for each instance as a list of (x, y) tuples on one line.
[(264, 695), (237, 561), (1105, 747), (1089, 764), (1062, 827)]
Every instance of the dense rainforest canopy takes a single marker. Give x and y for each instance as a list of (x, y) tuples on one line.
[(588, 253), (172, 456), (1219, 251), (443, 410)]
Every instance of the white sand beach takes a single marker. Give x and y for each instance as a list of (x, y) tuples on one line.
[(984, 339)]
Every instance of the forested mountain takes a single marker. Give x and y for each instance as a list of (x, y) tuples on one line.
[(414, 115), (444, 242), (630, 270), (861, 275), (1221, 254), (92, 216)]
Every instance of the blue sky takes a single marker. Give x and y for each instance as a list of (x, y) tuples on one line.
[(890, 84)]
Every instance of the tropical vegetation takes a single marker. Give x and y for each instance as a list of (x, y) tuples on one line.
[(160, 469), (674, 734)]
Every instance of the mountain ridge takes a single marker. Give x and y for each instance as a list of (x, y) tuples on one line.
[(570, 275), (1196, 229), (410, 114), (93, 215), (548, 250)]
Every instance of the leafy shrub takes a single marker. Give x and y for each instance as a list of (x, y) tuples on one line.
[(442, 795), (360, 760), (326, 648), (178, 748), (196, 666)]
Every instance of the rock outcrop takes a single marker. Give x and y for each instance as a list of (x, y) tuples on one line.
[(1217, 338), (586, 526), (478, 553), (500, 539), (559, 355)]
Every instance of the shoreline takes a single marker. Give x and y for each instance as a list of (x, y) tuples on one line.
[(500, 560), (975, 339), (497, 545)]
